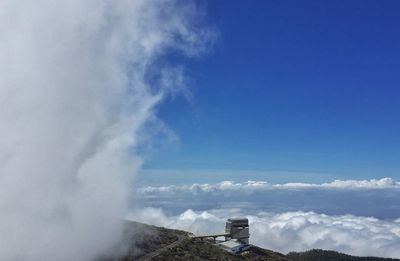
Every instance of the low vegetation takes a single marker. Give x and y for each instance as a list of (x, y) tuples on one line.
[(144, 242)]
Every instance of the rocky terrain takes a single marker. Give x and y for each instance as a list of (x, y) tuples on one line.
[(143, 242)]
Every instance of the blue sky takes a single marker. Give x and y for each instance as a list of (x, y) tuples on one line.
[(296, 86), (294, 95)]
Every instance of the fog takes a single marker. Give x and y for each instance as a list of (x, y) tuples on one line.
[(75, 94)]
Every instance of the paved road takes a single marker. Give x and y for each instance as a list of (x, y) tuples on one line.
[(151, 255)]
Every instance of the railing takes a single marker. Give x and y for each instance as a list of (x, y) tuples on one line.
[(214, 236)]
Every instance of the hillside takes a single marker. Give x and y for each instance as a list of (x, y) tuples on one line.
[(146, 242)]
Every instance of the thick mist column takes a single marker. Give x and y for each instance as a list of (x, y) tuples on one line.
[(73, 95)]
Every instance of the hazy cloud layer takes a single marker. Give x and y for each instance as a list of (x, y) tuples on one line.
[(292, 231), (376, 197), (251, 186), (78, 80), (359, 217)]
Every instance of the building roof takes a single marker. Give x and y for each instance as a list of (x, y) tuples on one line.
[(238, 219), (230, 244)]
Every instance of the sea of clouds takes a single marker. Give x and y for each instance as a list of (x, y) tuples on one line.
[(359, 217), (376, 197)]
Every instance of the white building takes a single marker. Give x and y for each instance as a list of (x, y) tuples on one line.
[(238, 228), (234, 246), (236, 235)]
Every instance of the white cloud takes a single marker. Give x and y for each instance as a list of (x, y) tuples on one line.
[(375, 197), (349, 184), (292, 231), (74, 92), (251, 186), (361, 216)]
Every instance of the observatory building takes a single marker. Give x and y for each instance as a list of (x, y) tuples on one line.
[(238, 228), (236, 236)]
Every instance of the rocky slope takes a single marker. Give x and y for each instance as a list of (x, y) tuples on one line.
[(144, 242)]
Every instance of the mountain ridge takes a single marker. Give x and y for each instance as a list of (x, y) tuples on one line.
[(147, 242)]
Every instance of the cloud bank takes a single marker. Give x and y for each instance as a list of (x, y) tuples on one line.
[(252, 186), (375, 197), (358, 217), (292, 231), (78, 82)]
